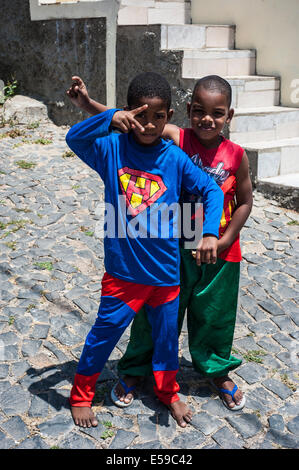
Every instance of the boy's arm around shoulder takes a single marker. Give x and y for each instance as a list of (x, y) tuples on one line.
[(243, 208), (172, 132)]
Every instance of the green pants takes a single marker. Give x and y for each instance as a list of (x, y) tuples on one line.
[(209, 294)]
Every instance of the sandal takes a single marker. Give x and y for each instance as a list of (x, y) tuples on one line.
[(115, 398), (231, 393)]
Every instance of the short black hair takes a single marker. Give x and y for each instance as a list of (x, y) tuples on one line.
[(214, 82), (149, 85)]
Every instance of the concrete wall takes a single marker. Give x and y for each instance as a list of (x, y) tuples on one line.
[(138, 50), (270, 27), (43, 55)]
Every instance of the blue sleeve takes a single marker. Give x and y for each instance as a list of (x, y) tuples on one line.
[(196, 181), (89, 140)]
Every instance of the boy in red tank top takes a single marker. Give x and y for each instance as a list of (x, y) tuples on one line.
[(209, 291)]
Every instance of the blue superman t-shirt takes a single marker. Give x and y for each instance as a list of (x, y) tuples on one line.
[(142, 191)]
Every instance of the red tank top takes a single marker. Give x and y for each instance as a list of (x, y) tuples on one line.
[(221, 163)]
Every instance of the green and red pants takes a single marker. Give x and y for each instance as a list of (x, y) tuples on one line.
[(209, 295)]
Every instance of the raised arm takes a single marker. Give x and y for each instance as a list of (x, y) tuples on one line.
[(79, 96), (122, 120)]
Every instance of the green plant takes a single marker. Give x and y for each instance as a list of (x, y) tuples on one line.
[(33, 125), (45, 265), (254, 356), (285, 379), (87, 232), (30, 306), (18, 225), (25, 165), (68, 154), (13, 133), (42, 141), (10, 88), (107, 434), (293, 222), (11, 245)]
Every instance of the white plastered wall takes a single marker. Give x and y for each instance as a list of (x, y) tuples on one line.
[(270, 27)]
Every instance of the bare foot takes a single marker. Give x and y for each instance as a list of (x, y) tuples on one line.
[(130, 381), (181, 413), (83, 416), (228, 384)]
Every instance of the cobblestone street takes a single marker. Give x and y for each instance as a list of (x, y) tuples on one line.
[(51, 265)]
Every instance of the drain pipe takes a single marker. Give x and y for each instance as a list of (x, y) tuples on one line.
[(49, 10)]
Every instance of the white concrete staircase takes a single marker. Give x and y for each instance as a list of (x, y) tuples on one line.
[(269, 132)]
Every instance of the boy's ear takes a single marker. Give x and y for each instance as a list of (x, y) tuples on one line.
[(170, 114), (230, 115), (188, 109)]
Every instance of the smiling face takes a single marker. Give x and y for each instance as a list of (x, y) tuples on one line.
[(208, 113), (153, 120)]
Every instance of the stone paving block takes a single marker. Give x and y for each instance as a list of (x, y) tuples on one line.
[(56, 426), (281, 440), (15, 400), (148, 427), (123, 439), (261, 400), (205, 423), (263, 327), (188, 440), (6, 442), (293, 426), (227, 439), (74, 441), (39, 406), (167, 426), (246, 424), (16, 428), (276, 422), (271, 307), (251, 372), (148, 445), (96, 432), (278, 388), (35, 442), (215, 407)]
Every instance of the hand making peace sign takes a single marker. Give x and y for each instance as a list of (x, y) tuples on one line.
[(125, 120)]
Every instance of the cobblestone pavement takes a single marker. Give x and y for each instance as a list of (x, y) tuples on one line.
[(51, 266)]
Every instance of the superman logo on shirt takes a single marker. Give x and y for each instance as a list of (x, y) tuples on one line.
[(141, 189)]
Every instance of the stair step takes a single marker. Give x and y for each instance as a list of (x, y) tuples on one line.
[(154, 12), (264, 124), (197, 36), (283, 189), (289, 180), (254, 91), (201, 62), (273, 159)]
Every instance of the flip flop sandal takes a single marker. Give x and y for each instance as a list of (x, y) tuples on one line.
[(231, 393), (115, 398)]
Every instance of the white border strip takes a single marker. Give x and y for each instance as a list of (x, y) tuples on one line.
[(88, 9)]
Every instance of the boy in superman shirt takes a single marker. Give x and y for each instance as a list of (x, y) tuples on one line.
[(140, 168), (209, 292)]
